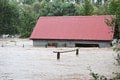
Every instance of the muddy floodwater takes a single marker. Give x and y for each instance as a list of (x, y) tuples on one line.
[(19, 60)]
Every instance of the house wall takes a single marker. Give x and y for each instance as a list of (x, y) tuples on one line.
[(69, 43)]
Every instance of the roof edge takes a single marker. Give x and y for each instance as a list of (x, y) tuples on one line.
[(70, 39)]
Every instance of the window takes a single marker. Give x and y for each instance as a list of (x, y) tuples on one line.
[(86, 45)]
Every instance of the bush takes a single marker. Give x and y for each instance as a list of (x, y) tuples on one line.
[(96, 76)]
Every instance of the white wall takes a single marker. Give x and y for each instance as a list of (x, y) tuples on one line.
[(69, 43)]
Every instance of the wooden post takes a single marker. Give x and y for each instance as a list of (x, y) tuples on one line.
[(77, 52), (58, 55), (46, 46), (15, 43), (23, 45), (56, 46), (2, 45)]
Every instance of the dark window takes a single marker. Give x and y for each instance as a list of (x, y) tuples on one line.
[(52, 44), (86, 45)]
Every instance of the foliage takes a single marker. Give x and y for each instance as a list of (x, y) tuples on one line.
[(78, 10), (117, 49), (36, 7), (27, 22), (101, 9), (28, 1), (87, 8), (114, 9), (117, 76), (68, 9), (96, 76), (9, 17)]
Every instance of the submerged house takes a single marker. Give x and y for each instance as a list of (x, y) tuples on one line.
[(72, 31)]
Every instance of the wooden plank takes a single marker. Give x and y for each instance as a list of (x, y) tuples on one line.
[(64, 51)]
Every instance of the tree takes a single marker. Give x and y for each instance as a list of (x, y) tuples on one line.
[(28, 1), (78, 1), (99, 2), (27, 22), (68, 9), (9, 17), (36, 7), (101, 9), (87, 8), (78, 10), (45, 8), (114, 9)]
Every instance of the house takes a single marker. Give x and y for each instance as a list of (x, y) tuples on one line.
[(72, 31)]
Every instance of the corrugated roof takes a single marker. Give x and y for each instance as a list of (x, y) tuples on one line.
[(72, 27)]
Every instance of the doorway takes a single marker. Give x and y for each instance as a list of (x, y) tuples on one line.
[(86, 45)]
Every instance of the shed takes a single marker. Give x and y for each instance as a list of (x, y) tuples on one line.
[(72, 31)]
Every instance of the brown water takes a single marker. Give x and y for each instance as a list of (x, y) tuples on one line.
[(30, 63)]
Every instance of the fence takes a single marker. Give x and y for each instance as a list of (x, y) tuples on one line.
[(58, 52)]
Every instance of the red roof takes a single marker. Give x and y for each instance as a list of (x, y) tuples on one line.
[(72, 28)]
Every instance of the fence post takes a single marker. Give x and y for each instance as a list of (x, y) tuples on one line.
[(46, 46), (23, 45), (58, 55), (2, 45), (77, 52), (15, 43)]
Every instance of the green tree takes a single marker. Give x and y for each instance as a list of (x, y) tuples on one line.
[(68, 9), (78, 1), (78, 10), (28, 1), (99, 2), (101, 9), (87, 8), (114, 9), (39, 0), (36, 7), (9, 17), (44, 8), (27, 22)]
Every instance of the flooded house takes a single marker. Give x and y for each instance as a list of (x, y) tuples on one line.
[(72, 31)]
